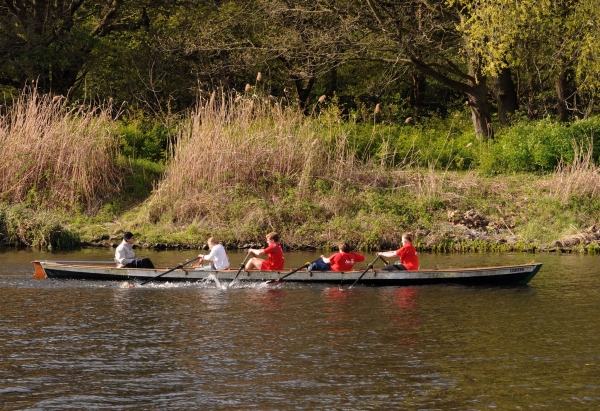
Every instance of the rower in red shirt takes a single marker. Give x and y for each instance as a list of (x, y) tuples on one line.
[(274, 253), (342, 261), (409, 259)]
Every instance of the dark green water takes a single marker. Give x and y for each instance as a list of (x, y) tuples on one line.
[(94, 345)]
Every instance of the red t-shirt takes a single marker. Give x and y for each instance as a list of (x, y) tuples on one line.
[(345, 261), (275, 261), (408, 257)]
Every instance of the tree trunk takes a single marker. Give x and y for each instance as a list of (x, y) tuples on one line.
[(416, 95), (475, 88), (480, 112), (506, 95), (564, 93), (332, 83), (532, 108), (303, 88)]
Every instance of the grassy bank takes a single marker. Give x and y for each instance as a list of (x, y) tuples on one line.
[(468, 213), (238, 167)]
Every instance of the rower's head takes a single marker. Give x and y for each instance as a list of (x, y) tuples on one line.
[(128, 237), (273, 236), (212, 242), (344, 247), (407, 238)]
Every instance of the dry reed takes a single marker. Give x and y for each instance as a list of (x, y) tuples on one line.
[(580, 178), (54, 156), (256, 144)]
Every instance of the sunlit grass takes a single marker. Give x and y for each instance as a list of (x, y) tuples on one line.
[(57, 156)]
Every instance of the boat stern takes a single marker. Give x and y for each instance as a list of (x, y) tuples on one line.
[(39, 271)]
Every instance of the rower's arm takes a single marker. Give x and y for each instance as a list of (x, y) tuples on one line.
[(388, 254)]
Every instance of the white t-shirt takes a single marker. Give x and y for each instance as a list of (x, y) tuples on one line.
[(218, 256), (124, 254)]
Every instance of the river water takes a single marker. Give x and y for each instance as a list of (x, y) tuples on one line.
[(95, 345)]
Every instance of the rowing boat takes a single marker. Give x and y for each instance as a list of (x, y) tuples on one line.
[(99, 270)]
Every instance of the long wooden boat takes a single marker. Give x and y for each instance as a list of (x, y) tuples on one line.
[(91, 270)]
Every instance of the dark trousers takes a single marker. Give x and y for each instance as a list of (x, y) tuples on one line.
[(319, 265), (140, 263)]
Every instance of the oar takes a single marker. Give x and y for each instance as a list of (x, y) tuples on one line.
[(290, 273), (172, 269), (384, 260), (368, 268), (240, 270)]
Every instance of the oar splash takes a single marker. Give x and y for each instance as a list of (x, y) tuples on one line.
[(216, 280)]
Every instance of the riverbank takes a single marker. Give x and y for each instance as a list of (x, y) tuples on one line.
[(448, 212), (237, 169)]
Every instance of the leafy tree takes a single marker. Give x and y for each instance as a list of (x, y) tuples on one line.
[(549, 43), (423, 34), (50, 41), (295, 42)]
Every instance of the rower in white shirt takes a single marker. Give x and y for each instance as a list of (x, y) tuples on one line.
[(217, 257)]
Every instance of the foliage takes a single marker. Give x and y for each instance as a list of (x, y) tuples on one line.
[(142, 140), (50, 42), (493, 27), (20, 225), (412, 58), (539, 146)]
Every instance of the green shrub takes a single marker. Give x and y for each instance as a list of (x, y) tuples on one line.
[(144, 140), (436, 142), (140, 177), (538, 146)]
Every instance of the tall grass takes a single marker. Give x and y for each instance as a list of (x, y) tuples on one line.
[(579, 178), (255, 147), (55, 156)]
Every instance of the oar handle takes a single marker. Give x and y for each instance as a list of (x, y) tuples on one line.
[(171, 270), (296, 270)]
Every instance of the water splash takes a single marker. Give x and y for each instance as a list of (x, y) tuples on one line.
[(248, 285), (217, 282)]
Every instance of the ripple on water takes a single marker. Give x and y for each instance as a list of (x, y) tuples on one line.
[(95, 345)]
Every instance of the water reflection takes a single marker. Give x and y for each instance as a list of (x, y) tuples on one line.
[(337, 312), (405, 318)]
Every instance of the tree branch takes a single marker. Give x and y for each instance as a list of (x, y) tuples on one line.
[(428, 70), (75, 4), (376, 14), (102, 29)]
